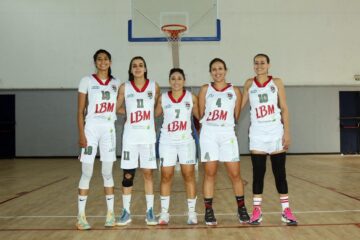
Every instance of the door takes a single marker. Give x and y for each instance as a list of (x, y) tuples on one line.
[(349, 122), (7, 126)]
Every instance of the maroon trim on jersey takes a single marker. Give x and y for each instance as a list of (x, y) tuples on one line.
[(100, 81), (180, 98), (143, 88), (264, 84), (220, 90)]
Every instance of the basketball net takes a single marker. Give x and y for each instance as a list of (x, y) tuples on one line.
[(173, 34)]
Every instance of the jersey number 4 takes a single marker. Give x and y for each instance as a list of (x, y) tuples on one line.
[(218, 102)]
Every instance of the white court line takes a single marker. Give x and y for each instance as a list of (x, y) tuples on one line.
[(181, 215)]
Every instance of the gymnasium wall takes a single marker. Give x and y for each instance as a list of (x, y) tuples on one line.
[(46, 121), (49, 44)]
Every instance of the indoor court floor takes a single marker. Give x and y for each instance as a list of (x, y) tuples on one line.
[(38, 200)]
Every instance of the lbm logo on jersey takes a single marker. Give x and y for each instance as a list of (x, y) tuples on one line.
[(104, 107), (113, 87), (264, 110), (230, 96), (217, 115), (187, 105), (139, 116), (177, 126)]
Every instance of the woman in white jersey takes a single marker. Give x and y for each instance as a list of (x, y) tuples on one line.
[(269, 134), (96, 116), (219, 106), (176, 141), (139, 95)]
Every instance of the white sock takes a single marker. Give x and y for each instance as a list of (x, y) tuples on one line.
[(126, 202), (191, 204), (257, 202), (149, 201), (284, 202), (165, 202), (110, 202), (81, 204)]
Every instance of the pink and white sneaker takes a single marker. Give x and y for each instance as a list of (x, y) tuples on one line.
[(288, 217), (164, 218), (256, 216)]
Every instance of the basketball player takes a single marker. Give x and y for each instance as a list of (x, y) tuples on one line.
[(139, 95), (176, 141), (269, 133), (219, 106), (97, 98)]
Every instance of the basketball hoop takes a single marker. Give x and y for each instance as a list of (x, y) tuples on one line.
[(173, 31)]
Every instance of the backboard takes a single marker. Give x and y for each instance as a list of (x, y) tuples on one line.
[(199, 16)]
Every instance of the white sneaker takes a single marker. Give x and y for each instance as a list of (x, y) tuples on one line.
[(110, 219), (82, 223), (164, 218), (192, 218)]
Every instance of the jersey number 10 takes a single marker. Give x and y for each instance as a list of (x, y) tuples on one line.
[(263, 98)]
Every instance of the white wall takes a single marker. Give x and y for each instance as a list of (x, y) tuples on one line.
[(49, 44)]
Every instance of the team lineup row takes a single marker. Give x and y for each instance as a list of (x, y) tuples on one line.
[(218, 105)]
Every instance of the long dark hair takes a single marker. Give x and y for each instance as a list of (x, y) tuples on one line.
[(262, 55), (107, 54), (131, 76), (217, 60), (179, 70)]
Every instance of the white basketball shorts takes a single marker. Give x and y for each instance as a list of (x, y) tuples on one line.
[(102, 135), (132, 154), (218, 143), (170, 153), (266, 138)]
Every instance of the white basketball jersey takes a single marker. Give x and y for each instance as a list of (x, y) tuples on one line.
[(263, 99), (101, 97), (219, 107), (176, 127), (139, 127)]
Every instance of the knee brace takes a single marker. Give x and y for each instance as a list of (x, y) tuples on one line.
[(87, 170), (128, 179), (106, 170), (259, 169), (279, 171)]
